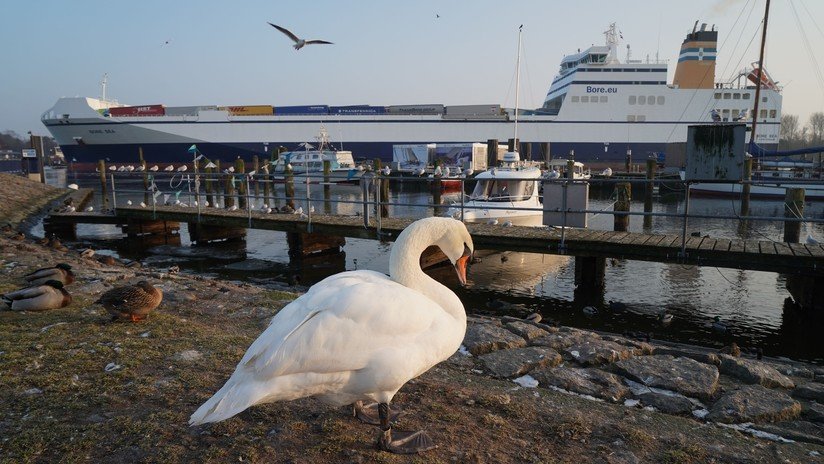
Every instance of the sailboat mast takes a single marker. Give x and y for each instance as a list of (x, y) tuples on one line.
[(760, 73), (517, 83)]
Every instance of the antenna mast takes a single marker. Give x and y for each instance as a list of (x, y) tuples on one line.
[(517, 82), (760, 73), (103, 85)]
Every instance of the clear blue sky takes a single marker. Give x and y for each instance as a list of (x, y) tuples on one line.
[(385, 52)]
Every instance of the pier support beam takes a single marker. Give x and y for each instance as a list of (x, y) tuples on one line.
[(136, 228), (589, 280), (63, 230), (623, 194), (794, 209), (492, 153), (201, 234), (301, 244), (648, 192)]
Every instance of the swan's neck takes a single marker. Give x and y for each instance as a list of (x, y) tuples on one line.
[(405, 268)]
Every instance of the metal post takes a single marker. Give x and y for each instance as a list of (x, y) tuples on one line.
[(684, 228), (564, 189), (248, 203), (114, 196), (364, 182), (463, 187)]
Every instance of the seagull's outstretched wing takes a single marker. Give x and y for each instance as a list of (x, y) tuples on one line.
[(318, 42), (285, 31)]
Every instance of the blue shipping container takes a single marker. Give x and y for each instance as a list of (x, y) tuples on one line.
[(357, 109), (304, 109)]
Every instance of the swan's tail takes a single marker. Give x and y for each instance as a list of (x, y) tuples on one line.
[(232, 399)]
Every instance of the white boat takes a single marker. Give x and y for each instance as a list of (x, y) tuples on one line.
[(772, 180), (558, 168), (311, 159), (508, 193)]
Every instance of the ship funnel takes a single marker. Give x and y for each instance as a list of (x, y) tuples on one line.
[(696, 62)]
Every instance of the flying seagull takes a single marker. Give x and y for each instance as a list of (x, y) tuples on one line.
[(299, 43)]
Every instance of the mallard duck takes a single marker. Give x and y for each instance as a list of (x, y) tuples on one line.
[(50, 295), (61, 273), (718, 326), (590, 310), (664, 317), (131, 302)]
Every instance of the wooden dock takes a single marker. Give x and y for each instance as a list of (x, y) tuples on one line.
[(791, 258)]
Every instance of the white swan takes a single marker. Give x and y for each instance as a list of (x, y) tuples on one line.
[(357, 336)]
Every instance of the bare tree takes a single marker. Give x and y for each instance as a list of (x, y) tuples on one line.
[(789, 130), (816, 124)]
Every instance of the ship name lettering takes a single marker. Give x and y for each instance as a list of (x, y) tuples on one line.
[(591, 89)]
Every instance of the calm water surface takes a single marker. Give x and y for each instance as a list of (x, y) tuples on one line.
[(754, 305)]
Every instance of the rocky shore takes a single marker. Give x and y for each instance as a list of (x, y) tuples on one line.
[(77, 388)]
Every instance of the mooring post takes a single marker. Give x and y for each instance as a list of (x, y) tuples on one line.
[(365, 180), (327, 170), (101, 167), (267, 185), (290, 186), (793, 209), (745, 188), (382, 189), (623, 195), (546, 152), (628, 160), (256, 169), (648, 192), (229, 188), (114, 194), (208, 184), (240, 171), (145, 175), (491, 153)]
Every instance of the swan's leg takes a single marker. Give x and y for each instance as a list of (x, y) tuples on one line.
[(401, 442), (368, 414)]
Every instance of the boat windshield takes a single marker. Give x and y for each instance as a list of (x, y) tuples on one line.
[(503, 190)]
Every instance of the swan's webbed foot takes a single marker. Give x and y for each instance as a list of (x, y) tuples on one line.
[(405, 442), (368, 414), (401, 442)]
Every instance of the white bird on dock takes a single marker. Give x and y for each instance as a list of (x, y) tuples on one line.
[(438, 171), (154, 168), (74, 186), (446, 171), (122, 168), (169, 168), (90, 209), (233, 208), (182, 168), (357, 336), (112, 168), (312, 209), (468, 172), (553, 174), (811, 240), (205, 204), (267, 210), (386, 170), (251, 174), (492, 222), (507, 224), (140, 168), (420, 171), (299, 43), (130, 168), (142, 205), (128, 202), (607, 172), (299, 211), (210, 165), (229, 170)]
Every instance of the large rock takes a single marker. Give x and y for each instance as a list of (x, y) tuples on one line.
[(670, 404), (519, 361), (754, 403), (486, 338), (589, 381), (597, 352), (810, 391), (813, 412), (563, 339), (638, 348), (796, 430), (683, 375), (526, 330), (698, 355), (752, 371)]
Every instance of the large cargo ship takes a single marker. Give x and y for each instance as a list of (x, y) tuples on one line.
[(598, 106)]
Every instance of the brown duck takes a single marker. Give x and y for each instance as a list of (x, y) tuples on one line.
[(61, 273), (50, 295), (131, 302)]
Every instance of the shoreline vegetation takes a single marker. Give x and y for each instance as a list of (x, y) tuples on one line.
[(77, 388)]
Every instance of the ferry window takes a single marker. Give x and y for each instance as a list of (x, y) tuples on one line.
[(762, 114), (736, 96), (632, 99), (593, 99), (725, 113), (642, 100), (585, 99), (640, 118), (630, 118), (727, 96), (575, 99), (651, 99), (764, 99), (718, 95), (772, 114), (603, 98), (660, 100), (746, 96)]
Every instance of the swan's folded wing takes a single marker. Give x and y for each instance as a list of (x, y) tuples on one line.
[(336, 327)]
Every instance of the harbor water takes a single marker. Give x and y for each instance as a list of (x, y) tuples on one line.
[(754, 307)]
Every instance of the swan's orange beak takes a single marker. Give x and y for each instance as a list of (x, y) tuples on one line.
[(460, 267)]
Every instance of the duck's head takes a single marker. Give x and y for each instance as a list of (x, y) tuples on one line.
[(64, 266)]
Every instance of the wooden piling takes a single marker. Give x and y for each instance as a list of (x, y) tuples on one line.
[(623, 193), (201, 234), (290, 186), (101, 166), (545, 152), (590, 271), (745, 189), (229, 189), (145, 169), (267, 186), (302, 244), (648, 192), (240, 171), (793, 208), (512, 144), (628, 161), (526, 148), (492, 152), (256, 168), (570, 173), (327, 170), (208, 185), (381, 188)]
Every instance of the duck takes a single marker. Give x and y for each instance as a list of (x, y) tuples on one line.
[(88, 253), (131, 302), (108, 260), (50, 295), (378, 333), (718, 326), (664, 317), (62, 272), (590, 310)]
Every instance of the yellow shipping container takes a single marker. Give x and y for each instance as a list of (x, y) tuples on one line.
[(250, 110)]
